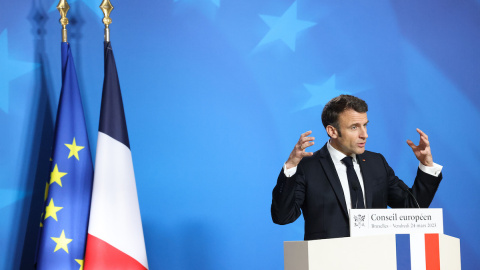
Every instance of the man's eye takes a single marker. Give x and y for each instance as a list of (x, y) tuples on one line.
[(354, 127)]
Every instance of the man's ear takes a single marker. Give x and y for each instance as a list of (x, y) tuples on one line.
[(332, 131)]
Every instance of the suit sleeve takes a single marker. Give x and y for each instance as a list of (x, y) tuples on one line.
[(287, 197), (423, 189)]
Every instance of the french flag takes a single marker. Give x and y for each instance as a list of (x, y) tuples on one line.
[(423, 252), (115, 234)]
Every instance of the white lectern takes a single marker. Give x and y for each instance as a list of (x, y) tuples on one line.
[(378, 252), (389, 239)]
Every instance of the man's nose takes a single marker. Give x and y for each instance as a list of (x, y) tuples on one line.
[(363, 133)]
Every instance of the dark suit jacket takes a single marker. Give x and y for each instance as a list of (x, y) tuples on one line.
[(315, 189)]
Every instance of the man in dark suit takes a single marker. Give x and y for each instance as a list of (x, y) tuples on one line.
[(340, 176)]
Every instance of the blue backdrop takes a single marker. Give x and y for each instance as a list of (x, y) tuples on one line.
[(217, 92)]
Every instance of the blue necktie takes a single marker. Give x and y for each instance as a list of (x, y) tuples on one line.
[(356, 194)]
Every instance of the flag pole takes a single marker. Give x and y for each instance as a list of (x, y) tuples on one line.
[(106, 8), (63, 8)]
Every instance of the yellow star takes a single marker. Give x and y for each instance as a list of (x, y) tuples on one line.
[(46, 191), (62, 242), (56, 176), (41, 218), (74, 149), (81, 263), (51, 210)]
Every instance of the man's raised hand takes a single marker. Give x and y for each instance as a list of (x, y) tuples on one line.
[(298, 151), (422, 150)]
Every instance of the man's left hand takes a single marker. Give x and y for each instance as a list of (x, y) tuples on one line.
[(422, 151)]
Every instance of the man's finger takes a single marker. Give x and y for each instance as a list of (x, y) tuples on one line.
[(307, 139), (425, 140), (422, 133), (305, 134), (306, 154), (411, 144), (305, 145)]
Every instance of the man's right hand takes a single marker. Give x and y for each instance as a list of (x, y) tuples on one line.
[(298, 151)]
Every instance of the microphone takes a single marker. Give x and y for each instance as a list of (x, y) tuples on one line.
[(407, 189)]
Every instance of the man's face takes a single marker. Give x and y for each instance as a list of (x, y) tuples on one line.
[(353, 127)]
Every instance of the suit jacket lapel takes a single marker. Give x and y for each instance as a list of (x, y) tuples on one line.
[(330, 171), (367, 184)]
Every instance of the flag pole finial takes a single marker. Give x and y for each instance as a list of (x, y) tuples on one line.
[(63, 8), (106, 8)]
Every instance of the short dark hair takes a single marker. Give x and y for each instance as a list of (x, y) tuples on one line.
[(338, 105)]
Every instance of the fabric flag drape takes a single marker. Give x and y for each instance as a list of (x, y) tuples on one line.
[(68, 191), (418, 251), (115, 233)]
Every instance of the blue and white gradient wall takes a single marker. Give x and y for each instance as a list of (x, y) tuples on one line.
[(217, 92)]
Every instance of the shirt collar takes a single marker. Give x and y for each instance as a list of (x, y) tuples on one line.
[(337, 156)]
